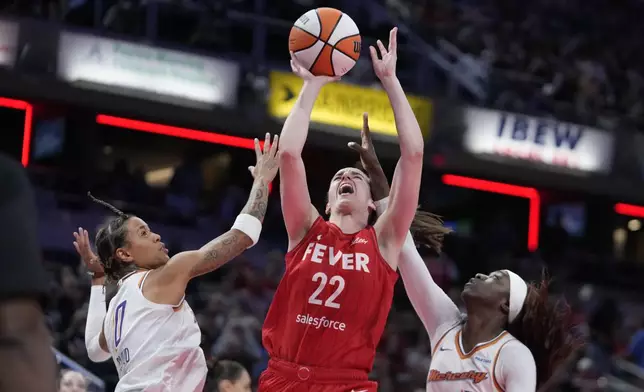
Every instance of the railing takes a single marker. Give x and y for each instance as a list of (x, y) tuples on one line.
[(425, 64), (95, 383)]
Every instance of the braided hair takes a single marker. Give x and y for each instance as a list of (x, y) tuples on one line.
[(111, 236)]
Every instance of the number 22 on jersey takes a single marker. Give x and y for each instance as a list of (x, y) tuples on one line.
[(322, 280)]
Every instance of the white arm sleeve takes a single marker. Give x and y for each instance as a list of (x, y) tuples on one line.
[(434, 308), (95, 317), (515, 370)]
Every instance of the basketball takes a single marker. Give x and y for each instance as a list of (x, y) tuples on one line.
[(326, 41)]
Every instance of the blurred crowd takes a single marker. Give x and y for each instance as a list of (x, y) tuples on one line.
[(567, 58), (573, 59)]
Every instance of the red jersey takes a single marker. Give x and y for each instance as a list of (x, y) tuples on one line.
[(332, 303)]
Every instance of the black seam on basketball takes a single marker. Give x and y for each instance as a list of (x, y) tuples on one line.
[(351, 58), (308, 32), (337, 22), (310, 46), (320, 23), (318, 57), (344, 38), (343, 52)]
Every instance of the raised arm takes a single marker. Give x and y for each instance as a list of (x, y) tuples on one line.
[(167, 284), (299, 213), (433, 306), (95, 342), (392, 227)]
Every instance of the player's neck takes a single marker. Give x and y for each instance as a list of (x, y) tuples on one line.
[(479, 327), (348, 223)]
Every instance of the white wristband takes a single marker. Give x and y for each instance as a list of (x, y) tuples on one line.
[(381, 205), (248, 225)]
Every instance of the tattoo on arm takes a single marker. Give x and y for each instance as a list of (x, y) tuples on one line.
[(258, 200), (232, 243)]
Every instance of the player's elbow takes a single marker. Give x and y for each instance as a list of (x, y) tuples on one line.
[(289, 155), (413, 154), (94, 351)]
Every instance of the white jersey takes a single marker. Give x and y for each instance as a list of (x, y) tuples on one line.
[(502, 364), (155, 347), (452, 369)]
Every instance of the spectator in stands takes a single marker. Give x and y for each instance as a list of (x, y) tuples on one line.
[(71, 381), (228, 376), (636, 347)]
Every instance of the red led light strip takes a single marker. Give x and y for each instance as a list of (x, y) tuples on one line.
[(629, 210), (27, 126), (182, 133), (506, 189)]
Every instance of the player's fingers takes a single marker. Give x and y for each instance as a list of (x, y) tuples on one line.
[(77, 246), (381, 46), (393, 39), (267, 142), (273, 151), (365, 120), (374, 55), (356, 147), (258, 151), (366, 132), (251, 169)]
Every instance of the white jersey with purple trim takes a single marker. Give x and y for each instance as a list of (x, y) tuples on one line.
[(155, 347)]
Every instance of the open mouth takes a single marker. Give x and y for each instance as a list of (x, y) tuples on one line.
[(346, 189)]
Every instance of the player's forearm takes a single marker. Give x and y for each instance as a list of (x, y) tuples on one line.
[(96, 311), (257, 200), (379, 182), (232, 243), (296, 126), (410, 136), (433, 306)]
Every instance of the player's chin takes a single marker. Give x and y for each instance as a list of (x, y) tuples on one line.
[(468, 290)]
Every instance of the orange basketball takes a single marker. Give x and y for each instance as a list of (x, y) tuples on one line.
[(326, 41)]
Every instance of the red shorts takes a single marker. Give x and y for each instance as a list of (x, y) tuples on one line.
[(282, 376)]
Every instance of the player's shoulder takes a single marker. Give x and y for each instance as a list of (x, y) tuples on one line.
[(513, 348)]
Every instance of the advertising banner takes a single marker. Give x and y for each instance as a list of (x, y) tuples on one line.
[(103, 61), (543, 140), (342, 105), (8, 42)]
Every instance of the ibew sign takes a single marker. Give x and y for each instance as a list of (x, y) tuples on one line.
[(542, 140)]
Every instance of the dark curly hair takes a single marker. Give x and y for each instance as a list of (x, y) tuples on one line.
[(546, 327), (111, 236), (222, 370)]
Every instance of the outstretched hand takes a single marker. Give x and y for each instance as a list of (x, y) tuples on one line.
[(84, 249), (268, 160), (368, 156), (385, 66), (370, 162), (300, 70)]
